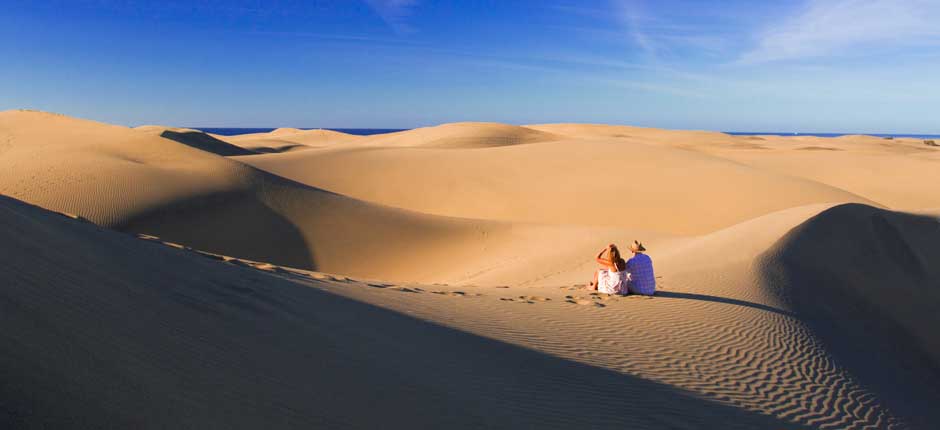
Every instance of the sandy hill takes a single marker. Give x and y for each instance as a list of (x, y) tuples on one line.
[(196, 139), (290, 139), (621, 131), (685, 182), (171, 339), (897, 173), (141, 182), (602, 182), (788, 295), (725, 343), (462, 135)]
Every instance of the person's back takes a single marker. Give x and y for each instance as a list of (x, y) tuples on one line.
[(642, 278), (613, 282)]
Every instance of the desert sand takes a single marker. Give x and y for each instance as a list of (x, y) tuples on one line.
[(161, 277)]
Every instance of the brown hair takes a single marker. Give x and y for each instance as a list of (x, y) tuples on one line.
[(614, 255)]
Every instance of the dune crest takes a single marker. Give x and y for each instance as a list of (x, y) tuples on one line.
[(290, 139), (462, 135)]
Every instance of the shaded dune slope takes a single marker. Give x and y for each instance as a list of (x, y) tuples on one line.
[(170, 339), (866, 281), (196, 139), (290, 139)]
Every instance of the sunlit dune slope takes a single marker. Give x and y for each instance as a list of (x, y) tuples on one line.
[(462, 135), (601, 182), (290, 139), (898, 173)]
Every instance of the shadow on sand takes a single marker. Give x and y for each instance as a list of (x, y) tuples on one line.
[(725, 300)]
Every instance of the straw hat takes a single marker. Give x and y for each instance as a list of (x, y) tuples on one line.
[(637, 247)]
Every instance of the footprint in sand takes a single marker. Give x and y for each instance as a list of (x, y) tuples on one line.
[(583, 301), (456, 293), (516, 300), (535, 298)]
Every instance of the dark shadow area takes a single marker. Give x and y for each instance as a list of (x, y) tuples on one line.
[(205, 142), (236, 224), (101, 330), (725, 300), (279, 149), (860, 278)]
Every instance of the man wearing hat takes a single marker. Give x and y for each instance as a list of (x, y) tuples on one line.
[(642, 279)]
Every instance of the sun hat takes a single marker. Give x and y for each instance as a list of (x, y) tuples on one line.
[(637, 247)]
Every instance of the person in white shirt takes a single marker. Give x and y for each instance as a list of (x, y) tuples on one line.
[(612, 277)]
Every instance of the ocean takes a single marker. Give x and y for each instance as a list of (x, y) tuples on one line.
[(371, 131)]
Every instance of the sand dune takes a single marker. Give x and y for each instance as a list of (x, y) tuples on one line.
[(196, 139), (602, 182), (459, 255), (289, 139), (140, 182), (463, 135), (170, 339), (897, 173), (718, 328), (867, 283), (716, 346)]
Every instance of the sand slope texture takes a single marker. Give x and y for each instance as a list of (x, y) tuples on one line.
[(435, 277)]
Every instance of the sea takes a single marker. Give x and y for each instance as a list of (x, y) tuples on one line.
[(371, 131)]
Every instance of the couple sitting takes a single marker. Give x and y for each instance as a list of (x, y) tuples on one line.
[(616, 276)]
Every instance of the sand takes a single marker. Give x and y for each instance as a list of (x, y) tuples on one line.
[(434, 278)]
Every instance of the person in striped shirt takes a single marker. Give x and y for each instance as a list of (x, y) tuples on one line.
[(642, 279)]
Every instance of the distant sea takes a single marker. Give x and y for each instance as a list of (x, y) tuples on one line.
[(370, 131)]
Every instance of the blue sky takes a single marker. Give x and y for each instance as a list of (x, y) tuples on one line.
[(808, 65)]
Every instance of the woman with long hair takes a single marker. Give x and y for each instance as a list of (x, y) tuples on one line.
[(612, 277)]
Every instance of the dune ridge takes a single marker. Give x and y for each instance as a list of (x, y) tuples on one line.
[(462, 135), (290, 139), (614, 183)]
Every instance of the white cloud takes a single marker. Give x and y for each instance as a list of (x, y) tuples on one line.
[(831, 27), (394, 13)]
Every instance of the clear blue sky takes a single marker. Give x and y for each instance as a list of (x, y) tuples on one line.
[(808, 65)]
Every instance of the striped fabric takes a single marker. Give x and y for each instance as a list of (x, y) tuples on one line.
[(642, 278)]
